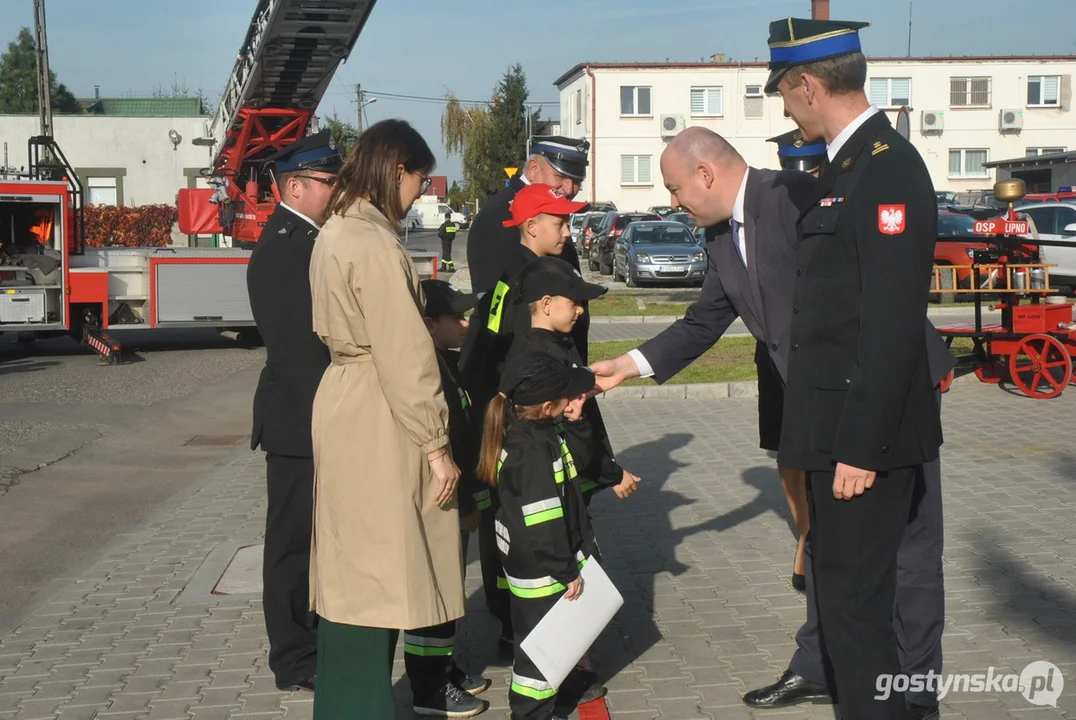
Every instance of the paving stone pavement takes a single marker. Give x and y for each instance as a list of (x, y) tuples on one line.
[(702, 554)]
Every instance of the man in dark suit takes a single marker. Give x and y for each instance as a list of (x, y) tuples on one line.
[(278, 283), (769, 210), (860, 416)]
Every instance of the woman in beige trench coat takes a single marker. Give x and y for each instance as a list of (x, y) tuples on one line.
[(385, 549)]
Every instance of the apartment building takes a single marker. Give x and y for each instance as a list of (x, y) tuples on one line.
[(964, 112)]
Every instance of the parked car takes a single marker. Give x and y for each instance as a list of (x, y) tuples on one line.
[(658, 251), (953, 253), (661, 210), (601, 247), (682, 217), (602, 207), (592, 223), (1056, 221), (575, 224)]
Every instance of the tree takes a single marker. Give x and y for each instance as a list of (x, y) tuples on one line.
[(490, 137), (180, 90), (18, 80), (456, 196), (344, 134)]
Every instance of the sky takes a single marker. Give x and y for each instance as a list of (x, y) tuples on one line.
[(424, 47)]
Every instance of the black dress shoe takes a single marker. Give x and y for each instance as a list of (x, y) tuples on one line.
[(799, 582), (790, 689), (923, 712), (307, 685)]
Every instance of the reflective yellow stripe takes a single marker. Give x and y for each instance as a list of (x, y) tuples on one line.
[(465, 400), (502, 583), (587, 485), (531, 692), (544, 516), (531, 593), (427, 646), (496, 307)]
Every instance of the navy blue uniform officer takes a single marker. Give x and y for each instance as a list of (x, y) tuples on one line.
[(278, 284)]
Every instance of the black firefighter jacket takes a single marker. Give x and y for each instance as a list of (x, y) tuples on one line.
[(278, 283), (859, 389)]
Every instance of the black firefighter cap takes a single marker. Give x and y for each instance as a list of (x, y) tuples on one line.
[(797, 41), (443, 299), (553, 276), (532, 378), (315, 152), (567, 155)]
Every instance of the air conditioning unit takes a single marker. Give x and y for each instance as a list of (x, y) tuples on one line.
[(1010, 120), (932, 121), (671, 125)]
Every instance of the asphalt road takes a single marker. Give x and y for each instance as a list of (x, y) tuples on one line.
[(87, 450)]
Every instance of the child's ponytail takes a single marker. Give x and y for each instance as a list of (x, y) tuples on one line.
[(493, 428)]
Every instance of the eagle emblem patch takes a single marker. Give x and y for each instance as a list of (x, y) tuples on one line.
[(891, 219)]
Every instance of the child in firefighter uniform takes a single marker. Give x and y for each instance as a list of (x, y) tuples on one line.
[(447, 233), (439, 687), (554, 294), (543, 532), (541, 215)]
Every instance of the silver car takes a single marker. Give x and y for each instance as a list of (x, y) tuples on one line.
[(658, 252)]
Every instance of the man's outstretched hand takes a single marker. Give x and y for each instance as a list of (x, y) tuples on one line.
[(610, 373)]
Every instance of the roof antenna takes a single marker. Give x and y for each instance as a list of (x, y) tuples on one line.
[(909, 28)]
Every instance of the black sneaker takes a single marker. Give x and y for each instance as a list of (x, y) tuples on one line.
[(466, 683), (449, 702)]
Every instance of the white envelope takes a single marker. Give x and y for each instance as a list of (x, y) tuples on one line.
[(571, 626)]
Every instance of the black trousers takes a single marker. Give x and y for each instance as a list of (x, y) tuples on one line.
[(428, 656), (289, 623), (530, 697), (856, 544), (494, 583), (446, 251), (919, 606)]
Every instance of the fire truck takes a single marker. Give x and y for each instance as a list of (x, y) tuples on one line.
[(52, 284)]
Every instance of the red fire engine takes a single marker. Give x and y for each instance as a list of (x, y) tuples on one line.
[(52, 284)]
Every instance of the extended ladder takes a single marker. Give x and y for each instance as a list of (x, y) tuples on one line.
[(287, 60)]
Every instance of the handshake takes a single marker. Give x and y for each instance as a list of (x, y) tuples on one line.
[(608, 374)]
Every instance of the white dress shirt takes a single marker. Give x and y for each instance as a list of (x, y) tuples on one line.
[(849, 130), (304, 217)]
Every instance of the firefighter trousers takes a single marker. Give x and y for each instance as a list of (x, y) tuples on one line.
[(530, 697), (494, 583), (446, 253), (428, 656)]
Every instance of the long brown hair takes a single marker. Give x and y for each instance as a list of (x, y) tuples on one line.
[(499, 415), (370, 168)]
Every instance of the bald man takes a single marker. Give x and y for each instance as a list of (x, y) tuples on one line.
[(750, 216)]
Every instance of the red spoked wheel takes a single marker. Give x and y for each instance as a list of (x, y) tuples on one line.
[(946, 381), (989, 372), (1041, 367)]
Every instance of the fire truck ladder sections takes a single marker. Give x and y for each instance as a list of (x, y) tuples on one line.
[(290, 54), (48, 163)]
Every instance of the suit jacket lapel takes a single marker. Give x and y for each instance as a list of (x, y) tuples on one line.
[(752, 208), (734, 277)]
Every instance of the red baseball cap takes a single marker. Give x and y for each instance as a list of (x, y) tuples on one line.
[(536, 199)]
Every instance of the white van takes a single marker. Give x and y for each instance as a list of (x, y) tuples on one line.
[(431, 215)]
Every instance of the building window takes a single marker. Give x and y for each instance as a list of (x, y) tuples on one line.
[(102, 186), (707, 102), (1033, 151), (968, 163), (635, 170), (1044, 91), (635, 101), (752, 101), (578, 107), (891, 92), (969, 92)]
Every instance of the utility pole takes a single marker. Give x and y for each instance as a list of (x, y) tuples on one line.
[(44, 86), (909, 28), (358, 94)]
